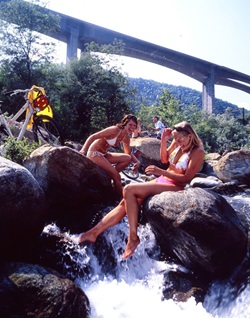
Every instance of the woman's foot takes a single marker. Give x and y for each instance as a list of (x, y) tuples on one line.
[(130, 247), (89, 236)]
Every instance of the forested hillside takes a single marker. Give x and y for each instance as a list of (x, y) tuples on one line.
[(149, 91)]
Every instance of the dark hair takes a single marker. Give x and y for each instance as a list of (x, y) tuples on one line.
[(126, 119)]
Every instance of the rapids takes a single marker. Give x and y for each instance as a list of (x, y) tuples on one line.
[(134, 289)]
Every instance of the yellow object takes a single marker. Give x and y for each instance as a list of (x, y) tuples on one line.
[(37, 97)]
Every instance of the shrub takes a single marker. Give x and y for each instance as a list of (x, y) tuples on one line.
[(18, 150)]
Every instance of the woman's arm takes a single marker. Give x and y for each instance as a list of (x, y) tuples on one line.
[(126, 145), (105, 133), (196, 161), (127, 150), (164, 151)]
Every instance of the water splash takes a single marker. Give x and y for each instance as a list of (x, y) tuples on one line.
[(134, 288)]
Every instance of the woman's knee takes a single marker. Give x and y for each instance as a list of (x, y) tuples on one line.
[(128, 190), (126, 158)]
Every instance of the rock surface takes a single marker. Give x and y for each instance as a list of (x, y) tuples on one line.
[(23, 211), (71, 181), (199, 229), (234, 166), (28, 290)]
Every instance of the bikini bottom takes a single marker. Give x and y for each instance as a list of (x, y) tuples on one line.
[(162, 179), (92, 154)]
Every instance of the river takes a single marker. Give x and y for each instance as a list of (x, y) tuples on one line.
[(134, 289)]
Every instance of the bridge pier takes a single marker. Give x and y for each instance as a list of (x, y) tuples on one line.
[(72, 44), (208, 94)]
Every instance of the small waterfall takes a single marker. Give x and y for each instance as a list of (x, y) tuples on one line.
[(132, 288)]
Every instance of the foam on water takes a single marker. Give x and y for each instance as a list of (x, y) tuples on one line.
[(113, 299), (135, 290)]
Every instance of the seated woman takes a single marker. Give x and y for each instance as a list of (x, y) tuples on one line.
[(185, 155), (138, 132), (96, 148)]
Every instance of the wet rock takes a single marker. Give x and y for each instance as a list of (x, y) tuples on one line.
[(32, 291)]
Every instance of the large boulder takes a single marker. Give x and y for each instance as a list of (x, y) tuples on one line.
[(32, 291), (234, 166), (199, 229), (149, 149), (23, 210), (70, 180)]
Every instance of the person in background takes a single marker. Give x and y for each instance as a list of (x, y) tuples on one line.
[(137, 132), (185, 156), (164, 123), (97, 145), (158, 127)]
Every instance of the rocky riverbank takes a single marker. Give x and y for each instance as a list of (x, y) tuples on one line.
[(195, 227)]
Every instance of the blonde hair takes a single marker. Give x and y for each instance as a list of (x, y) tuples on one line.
[(185, 128)]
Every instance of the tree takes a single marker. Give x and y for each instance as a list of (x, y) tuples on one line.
[(93, 95), (25, 51), (167, 109)]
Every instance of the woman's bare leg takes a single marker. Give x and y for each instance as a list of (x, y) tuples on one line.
[(106, 165), (110, 219), (133, 193), (121, 160)]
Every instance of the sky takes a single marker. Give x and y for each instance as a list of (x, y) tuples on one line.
[(213, 30)]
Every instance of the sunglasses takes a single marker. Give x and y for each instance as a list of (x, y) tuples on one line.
[(131, 117), (180, 129), (181, 139)]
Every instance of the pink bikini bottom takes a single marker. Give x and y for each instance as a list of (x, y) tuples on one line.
[(162, 179)]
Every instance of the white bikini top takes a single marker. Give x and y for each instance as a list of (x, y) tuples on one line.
[(112, 142), (183, 160)]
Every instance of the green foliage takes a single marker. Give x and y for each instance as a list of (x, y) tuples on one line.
[(24, 51), (17, 151), (219, 133), (91, 96), (149, 91)]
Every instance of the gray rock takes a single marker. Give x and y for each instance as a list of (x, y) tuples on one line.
[(70, 180), (199, 229), (32, 291), (23, 211), (234, 166)]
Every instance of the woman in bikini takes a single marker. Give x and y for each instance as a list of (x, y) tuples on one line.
[(185, 156), (96, 148)]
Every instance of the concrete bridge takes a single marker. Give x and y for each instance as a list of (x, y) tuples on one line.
[(76, 33)]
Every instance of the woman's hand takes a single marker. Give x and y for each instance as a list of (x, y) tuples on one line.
[(136, 166), (166, 134), (153, 170)]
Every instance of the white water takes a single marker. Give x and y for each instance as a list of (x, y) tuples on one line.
[(135, 291)]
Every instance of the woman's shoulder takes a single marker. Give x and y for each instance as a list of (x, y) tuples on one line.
[(111, 129), (198, 151)]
